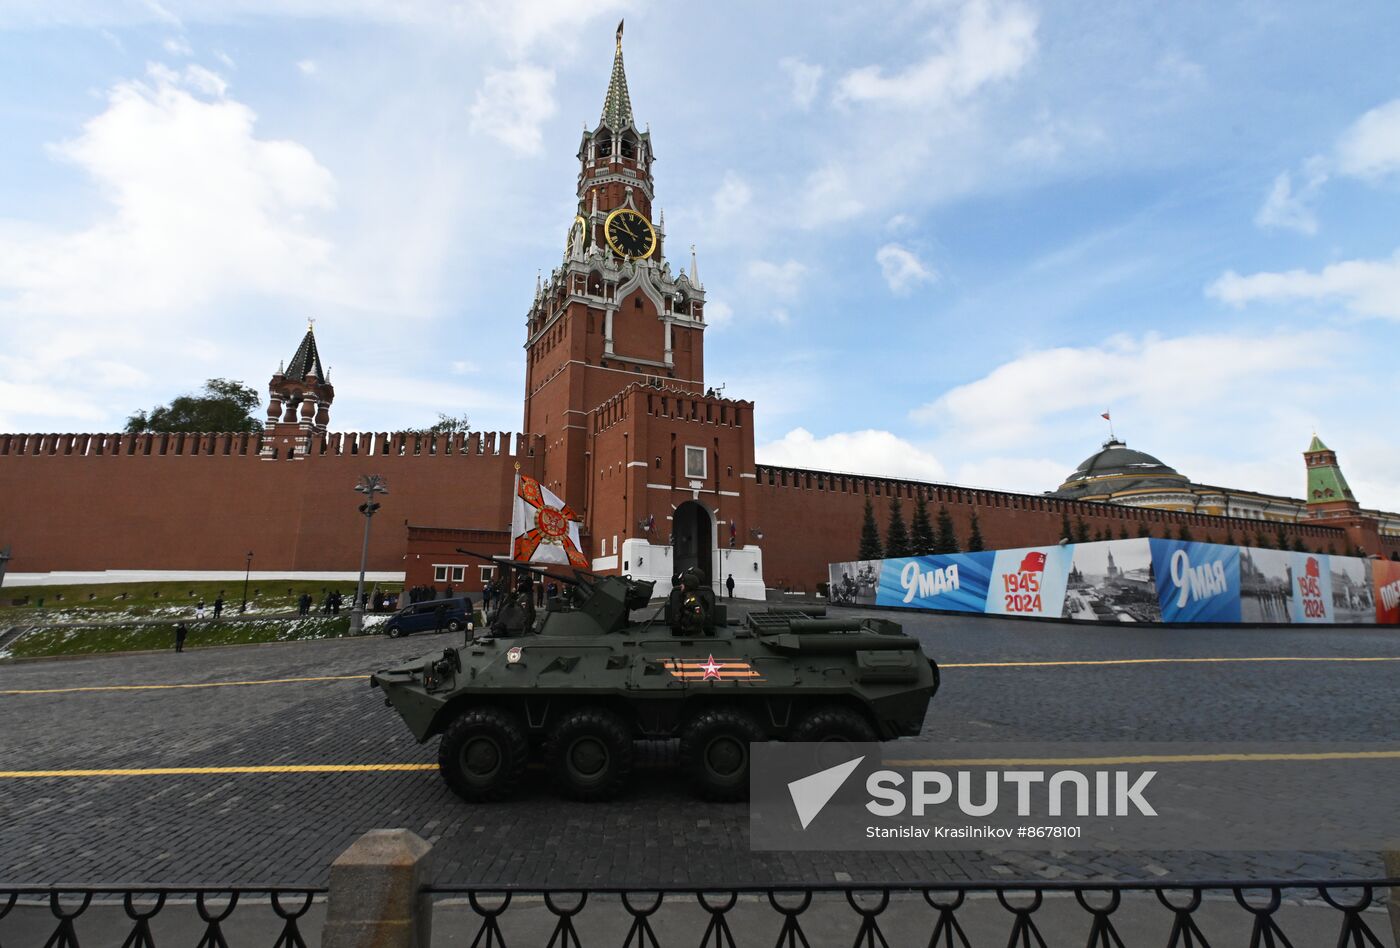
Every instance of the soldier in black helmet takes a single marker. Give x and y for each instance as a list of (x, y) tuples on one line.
[(690, 611)]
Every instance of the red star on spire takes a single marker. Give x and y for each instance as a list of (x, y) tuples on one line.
[(711, 669)]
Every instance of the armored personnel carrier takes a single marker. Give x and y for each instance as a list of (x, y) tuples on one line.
[(578, 684)]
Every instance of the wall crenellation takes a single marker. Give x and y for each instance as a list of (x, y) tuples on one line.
[(245, 444)]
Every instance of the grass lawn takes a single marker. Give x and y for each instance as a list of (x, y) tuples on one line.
[(114, 602), (125, 638)]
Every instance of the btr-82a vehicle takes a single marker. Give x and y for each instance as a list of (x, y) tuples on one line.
[(585, 681)]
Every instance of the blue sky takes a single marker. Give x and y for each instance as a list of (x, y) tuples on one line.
[(938, 238)]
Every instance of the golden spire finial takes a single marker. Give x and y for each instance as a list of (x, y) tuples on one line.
[(619, 33), (310, 324)]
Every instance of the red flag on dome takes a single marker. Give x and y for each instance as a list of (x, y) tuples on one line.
[(543, 529)]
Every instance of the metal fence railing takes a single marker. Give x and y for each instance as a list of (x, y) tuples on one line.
[(142, 904), (940, 921)]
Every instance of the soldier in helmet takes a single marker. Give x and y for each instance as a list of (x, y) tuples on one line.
[(690, 609), (516, 615)]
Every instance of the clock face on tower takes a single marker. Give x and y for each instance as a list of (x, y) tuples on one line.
[(629, 233)]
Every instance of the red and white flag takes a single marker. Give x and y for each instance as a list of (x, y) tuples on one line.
[(543, 529), (1105, 417)]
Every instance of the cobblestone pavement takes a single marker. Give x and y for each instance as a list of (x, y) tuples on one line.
[(288, 827)]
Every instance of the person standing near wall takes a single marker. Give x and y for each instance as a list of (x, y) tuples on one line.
[(729, 585), (180, 632)]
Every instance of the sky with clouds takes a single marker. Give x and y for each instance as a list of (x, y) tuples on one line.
[(939, 238)]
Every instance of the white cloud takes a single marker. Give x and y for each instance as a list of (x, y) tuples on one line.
[(199, 206), (1370, 148), (512, 104), (199, 209), (990, 41), (732, 196), (307, 67), (870, 452), (805, 79), (1289, 209), (781, 281), (902, 269), (177, 46), (829, 196), (1182, 378), (718, 314), (1365, 287)]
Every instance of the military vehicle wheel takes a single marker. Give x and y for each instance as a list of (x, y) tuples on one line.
[(590, 753), (833, 723), (715, 752), (454, 626), (483, 754)]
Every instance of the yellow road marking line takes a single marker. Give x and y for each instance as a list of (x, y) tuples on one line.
[(1173, 661), (1028, 664), (948, 762), (201, 771), (1145, 759), (199, 684)]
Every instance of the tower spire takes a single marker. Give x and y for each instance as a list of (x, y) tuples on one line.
[(617, 105)]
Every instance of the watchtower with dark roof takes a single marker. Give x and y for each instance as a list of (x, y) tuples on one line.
[(299, 399)]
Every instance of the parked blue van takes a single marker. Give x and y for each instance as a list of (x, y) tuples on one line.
[(423, 617)]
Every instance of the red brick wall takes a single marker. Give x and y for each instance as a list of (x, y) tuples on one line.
[(91, 502), (810, 519)]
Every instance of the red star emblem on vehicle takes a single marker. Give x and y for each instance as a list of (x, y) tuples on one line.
[(710, 668)]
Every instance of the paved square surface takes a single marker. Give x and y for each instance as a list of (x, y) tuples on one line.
[(287, 827)]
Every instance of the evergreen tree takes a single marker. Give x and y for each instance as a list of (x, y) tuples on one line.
[(1260, 542), (1298, 545), (1081, 530), (1123, 532), (1230, 537), (870, 535), (1143, 531), (922, 537), (1065, 533), (897, 536), (974, 537), (1183, 533), (1281, 541), (947, 541)]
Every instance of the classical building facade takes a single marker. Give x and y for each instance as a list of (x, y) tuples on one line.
[(618, 420), (1117, 474)]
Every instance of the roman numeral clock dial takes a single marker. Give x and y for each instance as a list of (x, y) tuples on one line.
[(629, 234)]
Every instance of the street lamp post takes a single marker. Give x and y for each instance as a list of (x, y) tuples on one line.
[(370, 484), (247, 570)]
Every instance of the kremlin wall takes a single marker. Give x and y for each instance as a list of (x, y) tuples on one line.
[(660, 469)]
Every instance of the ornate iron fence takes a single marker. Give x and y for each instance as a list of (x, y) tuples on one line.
[(942, 927), (142, 903)]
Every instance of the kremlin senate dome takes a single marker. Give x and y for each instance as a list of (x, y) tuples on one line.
[(1118, 474)]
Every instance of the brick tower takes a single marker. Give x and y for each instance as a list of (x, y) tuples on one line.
[(299, 402), (614, 380), (1329, 498)]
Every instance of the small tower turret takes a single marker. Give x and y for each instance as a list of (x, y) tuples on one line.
[(298, 403)]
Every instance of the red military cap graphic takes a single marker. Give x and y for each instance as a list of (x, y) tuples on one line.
[(1312, 566), (1034, 562)]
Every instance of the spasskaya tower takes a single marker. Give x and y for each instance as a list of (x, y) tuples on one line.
[(615, 381)]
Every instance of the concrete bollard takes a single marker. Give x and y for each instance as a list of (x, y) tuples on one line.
[(1392, 871), (375, 896)]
